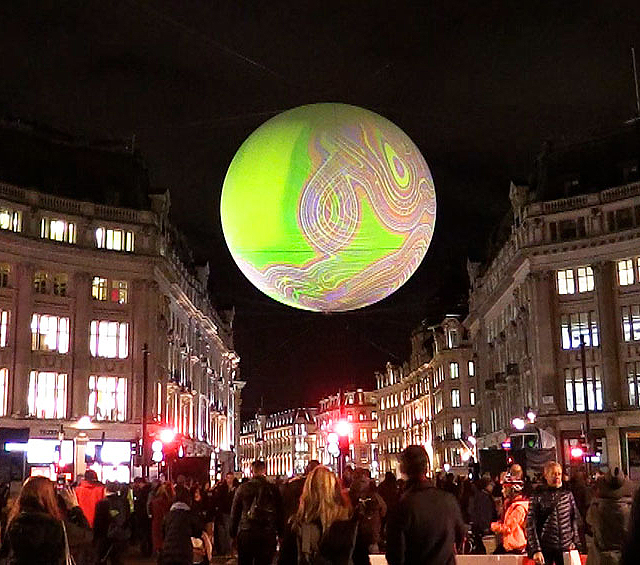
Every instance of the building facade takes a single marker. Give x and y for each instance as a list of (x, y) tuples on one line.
[(390, 389), (360, 409), (94, 301), (566, 273), (285, 441)]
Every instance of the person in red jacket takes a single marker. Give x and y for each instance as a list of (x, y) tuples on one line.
[(89, 492)]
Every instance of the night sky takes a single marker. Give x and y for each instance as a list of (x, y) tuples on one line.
[(478, 86)]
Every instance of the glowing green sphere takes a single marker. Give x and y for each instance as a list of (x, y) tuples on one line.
[(328, 207)]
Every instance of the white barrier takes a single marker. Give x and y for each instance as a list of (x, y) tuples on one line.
[(469, 559)]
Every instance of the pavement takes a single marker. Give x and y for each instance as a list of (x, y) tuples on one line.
[(134, 558)]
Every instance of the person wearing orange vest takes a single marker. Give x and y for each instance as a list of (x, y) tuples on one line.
[(89, 492), (513, 525)]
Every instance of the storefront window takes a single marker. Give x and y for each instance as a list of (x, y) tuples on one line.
[(47, 394), (108, 398)]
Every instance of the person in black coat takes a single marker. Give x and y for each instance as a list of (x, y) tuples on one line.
[(427, 523), (552, 521), (257, 518), (112, 525), (180, 525), (35, 534), (482, 511)]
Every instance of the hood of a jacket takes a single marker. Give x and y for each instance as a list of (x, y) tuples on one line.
[(179, 506)]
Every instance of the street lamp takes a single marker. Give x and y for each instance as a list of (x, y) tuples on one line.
[(518, 423)]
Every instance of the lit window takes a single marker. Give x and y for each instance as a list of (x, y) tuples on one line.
[(4, 327), (473, 427), (455, 398), (10, 220), (565, 282), (631, 322), (5, 270), (40, 282), (585, 279), (452, 339), (109, 339), (47, 395), (159, 400), (58, 230), (4, 388), (119, 292), (49, 333), (457, 428), (99, 288), (625, 272), (437, 402), (454, 370), (364, 437), (60, 281), (116, 240), (633, 382), (472, 369), (574, 388), (374, 434), (472, 396), (584, 324), (108, 398)]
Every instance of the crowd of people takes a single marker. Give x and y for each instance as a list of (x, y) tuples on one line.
[(320, 518)]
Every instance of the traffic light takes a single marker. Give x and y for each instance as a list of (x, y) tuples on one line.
[(343, 429), (332, 444)]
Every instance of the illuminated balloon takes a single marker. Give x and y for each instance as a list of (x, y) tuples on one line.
[(328, 207)]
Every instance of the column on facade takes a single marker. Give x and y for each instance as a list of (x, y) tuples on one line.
[(22, 312), (543, 328), (139, 335), (610, 333), (79, 381)]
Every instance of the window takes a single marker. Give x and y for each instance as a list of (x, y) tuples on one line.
[(631, 322), (47, 395), (119, 292), (4, 384), (116, 240), (565, 282), (455, 398), (49, 333), (574, 388), (472, 396), (40, 282), (58, 230), (585, 279), (473, 426), (454, 370), (364, 437), (60, 284), (625, 272), (572, 326), (109, 339), (452, 339), (472, 369), (437, 402), (10, 220), (159, 401), (4, 327), (108, 398), (633, 383), (374, 434), (99, 288), (5, 270), (457, 428)]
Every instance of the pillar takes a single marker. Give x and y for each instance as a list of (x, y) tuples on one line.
[(79, 379), (22, 312)]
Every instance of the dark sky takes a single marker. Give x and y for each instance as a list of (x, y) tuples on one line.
[(478, 86)]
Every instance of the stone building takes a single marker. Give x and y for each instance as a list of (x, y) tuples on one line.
[(566, 269), (360, 409), (285, 441), (390, 389), (87, 291)]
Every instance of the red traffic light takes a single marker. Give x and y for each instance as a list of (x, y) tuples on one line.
[(343, 428), (167, 435), (577, 452)]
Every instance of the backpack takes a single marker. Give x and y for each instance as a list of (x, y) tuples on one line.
[(262, 512), (309, 540), (118, 529)]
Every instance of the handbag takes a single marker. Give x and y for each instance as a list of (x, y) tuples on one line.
[(571, 557), (68, 558)]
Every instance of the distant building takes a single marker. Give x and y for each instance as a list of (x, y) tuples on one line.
[(390, 392), (285, 441), (84, 288), (565, 268), (360, 409)]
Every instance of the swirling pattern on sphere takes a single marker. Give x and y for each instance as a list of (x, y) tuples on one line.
[(328, 207)]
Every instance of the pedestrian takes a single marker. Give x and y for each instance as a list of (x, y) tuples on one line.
[(112, 526), (79, 534), (35, 533), (388, 490), (371, 508), (142, 520), (512, 527), (223, 500), (608, 518), (482, 512), (160, 505), (180, 525), (552, 520), (323, 529), (256, 518), (292, 491), (90, 491), (427, 524), (632, 546)]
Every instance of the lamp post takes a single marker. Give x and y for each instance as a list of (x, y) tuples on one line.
[(143, 419), (587, 424)]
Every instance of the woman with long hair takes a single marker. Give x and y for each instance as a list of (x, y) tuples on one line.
[(160, 505), (35, 534), (324, 524)]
